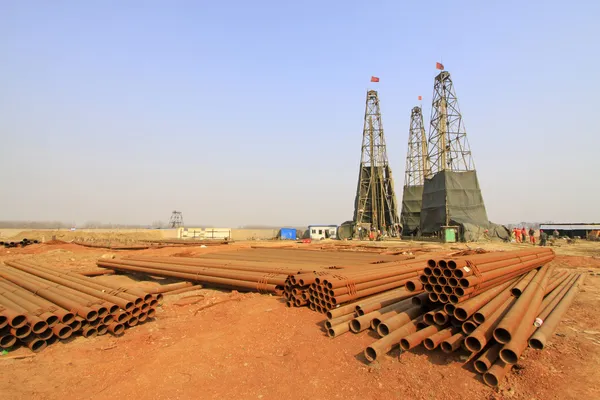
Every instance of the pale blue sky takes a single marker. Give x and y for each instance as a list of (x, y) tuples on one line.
[(240, 112)]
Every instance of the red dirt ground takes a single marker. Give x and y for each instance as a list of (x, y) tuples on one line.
[(250, 346)]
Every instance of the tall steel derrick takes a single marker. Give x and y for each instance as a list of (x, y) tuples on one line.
[(417, 169), (448, 145), (375, 202), (176, 219), (417, 162)]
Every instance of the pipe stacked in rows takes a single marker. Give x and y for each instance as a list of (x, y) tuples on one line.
[(495, 323), (325, 290), (39, 306)]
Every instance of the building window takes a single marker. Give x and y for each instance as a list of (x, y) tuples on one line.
[(314, 231), (320, 231)]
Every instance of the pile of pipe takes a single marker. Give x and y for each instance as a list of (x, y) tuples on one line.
[(494, 323), (263, 277), (22, 243), (40, 305), (325, 290)]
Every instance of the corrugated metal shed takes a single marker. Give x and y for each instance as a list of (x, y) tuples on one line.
[(571, 227)]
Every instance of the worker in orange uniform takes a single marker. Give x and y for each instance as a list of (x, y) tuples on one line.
[(524, 234), (518, 235), (532, 236)]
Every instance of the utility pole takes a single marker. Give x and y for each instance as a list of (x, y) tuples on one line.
[(375, 203)]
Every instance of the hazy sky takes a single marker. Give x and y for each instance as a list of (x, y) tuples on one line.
[(251, 112)]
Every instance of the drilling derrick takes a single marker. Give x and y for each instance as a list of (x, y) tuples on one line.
[(449, 147), (176, 219), (451, 192), (375, 204), (417, 168)]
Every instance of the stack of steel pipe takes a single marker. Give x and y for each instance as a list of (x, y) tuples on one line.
[(40, 305), (370, 313), (494, 326), (263, 277), (456, 280), (325, 290)]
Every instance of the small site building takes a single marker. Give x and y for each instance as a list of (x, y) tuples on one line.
[(319, 232), (571, 229)]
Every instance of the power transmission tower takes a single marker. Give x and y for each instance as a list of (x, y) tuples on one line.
[(417, 169), (176, 219), (417, 162), (448, 145), (375, 203)]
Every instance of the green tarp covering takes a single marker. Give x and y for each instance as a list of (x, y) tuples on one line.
[(410, 218), (458, 194)]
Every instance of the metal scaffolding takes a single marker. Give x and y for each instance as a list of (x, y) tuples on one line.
[(375, 202)]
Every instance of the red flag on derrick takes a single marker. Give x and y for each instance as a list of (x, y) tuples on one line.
[(420, 97), (374, 79), (439, 66)]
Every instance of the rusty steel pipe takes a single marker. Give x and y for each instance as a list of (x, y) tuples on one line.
[(230, 283), (101, 330), (523, 267), (477, 339), (88, 331), (62, 331), (433, 341), (372, 283), (20, 332), (64, 315), (488, 358), (391, 324), (469, 326), (421, 299), (124, 304), (441, 317), (388, 342), (76, 324), (414, 285), (453, 343), (466, 309), (14, 318), (416, 338), (487, 258), (553, 298), (363, 322), (34, 343), (495, 374), (515, 323), (7, 340), (84, 312), (46, 335), (363, 309), (37, 324), (336, 321), (519, 287), (86, 282), (338, 330), (116, 328), (366, 292), (201, 274), (540, 337)]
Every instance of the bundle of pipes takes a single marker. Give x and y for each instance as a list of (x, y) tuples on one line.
[(458, 279), (325, 290), (494, 326), (22, 243), (39, 306), (258, 276)]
